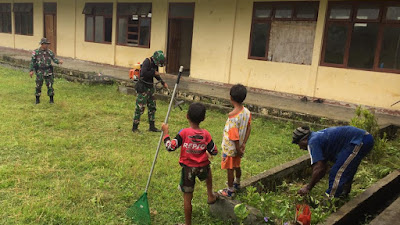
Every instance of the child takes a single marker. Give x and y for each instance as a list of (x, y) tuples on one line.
[(195, 143), (236, 133)]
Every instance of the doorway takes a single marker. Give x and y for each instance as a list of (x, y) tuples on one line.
[(180, 34), (50, 24)]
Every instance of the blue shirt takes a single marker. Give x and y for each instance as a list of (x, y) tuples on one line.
[(326, 144)]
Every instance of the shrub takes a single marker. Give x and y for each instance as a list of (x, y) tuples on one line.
[(365, 119)]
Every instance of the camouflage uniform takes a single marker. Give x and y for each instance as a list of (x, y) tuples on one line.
[(41, 64), (143, 99), (145, 90)]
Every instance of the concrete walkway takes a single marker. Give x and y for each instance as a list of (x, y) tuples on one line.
[(286, 102)]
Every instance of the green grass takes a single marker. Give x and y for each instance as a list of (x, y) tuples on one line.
[(77, 161), (280, 205)]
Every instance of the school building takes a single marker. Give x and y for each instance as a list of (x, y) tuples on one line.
[(345, 51)]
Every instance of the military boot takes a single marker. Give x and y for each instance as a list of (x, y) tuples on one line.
[(37, 99), (51, 100), (153, 128), (135, 127)]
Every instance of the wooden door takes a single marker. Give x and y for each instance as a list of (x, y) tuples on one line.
[(50, 25), (174, 41), (178, 12)]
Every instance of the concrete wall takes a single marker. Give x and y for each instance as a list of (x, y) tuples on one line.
[(220, 46), (281, 77), (212, 39), (66, 28)]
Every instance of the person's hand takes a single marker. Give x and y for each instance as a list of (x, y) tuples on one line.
[(31, 74), (304, 190), (164, 128), (165, 85), (209, 155), (61, 61), (156, 73)]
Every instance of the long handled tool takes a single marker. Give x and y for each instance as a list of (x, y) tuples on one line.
[(139, 212)]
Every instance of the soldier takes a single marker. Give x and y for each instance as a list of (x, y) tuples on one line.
[(145, 90), (41, 64)]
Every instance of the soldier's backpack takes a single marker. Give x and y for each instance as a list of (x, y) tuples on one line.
[(134, 73)]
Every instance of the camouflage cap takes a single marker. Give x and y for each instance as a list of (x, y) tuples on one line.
[(44, 41), (300, 133)]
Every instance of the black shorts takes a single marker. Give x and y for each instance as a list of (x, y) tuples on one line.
[(189, 174)]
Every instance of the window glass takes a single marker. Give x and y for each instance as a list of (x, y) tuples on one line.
[(305, 11), (367, 12), (99, 29), (17, 23), (144, 32), (393, 13), (363, 45), (390, 52), (335, 43), (107, 29), (24, 24), (262, 11), (340, 12), (89, 28), (283, 12), (122, 30), (259, 38)]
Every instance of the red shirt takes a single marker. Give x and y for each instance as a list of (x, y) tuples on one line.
[(194, 143)]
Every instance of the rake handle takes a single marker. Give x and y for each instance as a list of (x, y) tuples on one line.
[(162, 133)]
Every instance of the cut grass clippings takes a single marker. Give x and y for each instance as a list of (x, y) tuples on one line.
[(77, 161)]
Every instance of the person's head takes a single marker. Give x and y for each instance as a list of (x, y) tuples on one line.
[(238, 93), (300, 137), (44, 43), (159, 58), (196, 113)]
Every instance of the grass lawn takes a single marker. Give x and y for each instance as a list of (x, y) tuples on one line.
[(77, 161)]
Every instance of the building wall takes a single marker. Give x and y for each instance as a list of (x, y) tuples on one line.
[(127, 56), (220, 46), (212, 39), (275, 76), (66, 23), (348, 85)]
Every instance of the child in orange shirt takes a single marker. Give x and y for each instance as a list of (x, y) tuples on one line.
[(236, 133)]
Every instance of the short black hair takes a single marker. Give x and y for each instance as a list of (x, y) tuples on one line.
[(238, 93), (196, 112)]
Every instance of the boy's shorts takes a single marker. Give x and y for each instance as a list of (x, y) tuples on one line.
[(189, 174), (229, 162)]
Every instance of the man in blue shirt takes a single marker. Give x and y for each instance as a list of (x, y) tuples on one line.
[(345, 146)]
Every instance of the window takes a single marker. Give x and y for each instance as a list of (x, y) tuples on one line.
[(23, 15), (293, 20), (5, 18), (134, 24), (98, 22), (363, 35)]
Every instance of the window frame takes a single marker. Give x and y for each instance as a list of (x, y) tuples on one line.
[(6, 14), (273, 5), (104, 15), (138, 32), (20, 15), (381, 21)]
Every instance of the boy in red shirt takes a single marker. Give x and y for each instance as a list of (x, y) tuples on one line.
[(195, 143)]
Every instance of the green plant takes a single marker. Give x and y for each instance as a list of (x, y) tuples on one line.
[(366, 120), (241, 212)]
